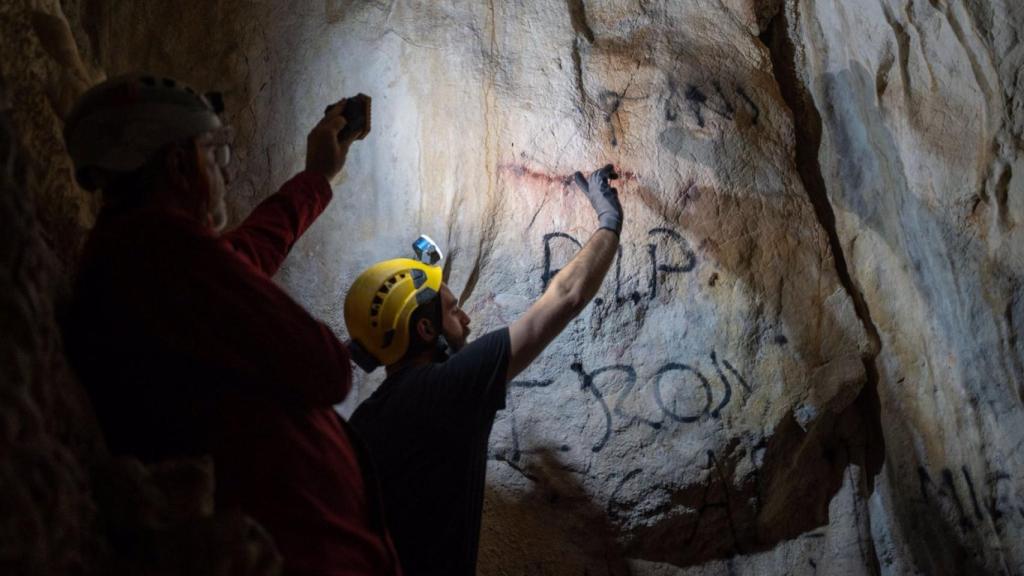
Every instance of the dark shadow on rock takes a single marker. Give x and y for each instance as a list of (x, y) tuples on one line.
[(788, 496), (69, 508), (48, 438), (555, 524)]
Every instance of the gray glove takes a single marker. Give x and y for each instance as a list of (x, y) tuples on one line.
[(602, 196)]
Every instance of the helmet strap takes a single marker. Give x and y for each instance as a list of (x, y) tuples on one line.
[(441, 345), (439, 350)]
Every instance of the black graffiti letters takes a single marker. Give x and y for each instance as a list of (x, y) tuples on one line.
[(725, 382), (670, 408), (634, 296), (514, 453), (657, 402), (587, 384), (676, 240), (550, 239), (710, 99), (671, 387), (620, 410), (957, 494), (668, 252)]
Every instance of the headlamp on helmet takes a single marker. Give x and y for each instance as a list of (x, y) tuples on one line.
[(380, 304)]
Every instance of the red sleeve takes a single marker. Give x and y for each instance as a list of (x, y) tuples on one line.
[(267, 235), (201, 300)]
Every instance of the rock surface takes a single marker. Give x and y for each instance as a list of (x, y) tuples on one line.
[(806, 357), (68, 507), (921, 114)]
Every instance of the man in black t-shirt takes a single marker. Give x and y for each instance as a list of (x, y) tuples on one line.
[(428, 423)]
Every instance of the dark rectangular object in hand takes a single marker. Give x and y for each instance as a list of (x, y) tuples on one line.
[(357, 113)]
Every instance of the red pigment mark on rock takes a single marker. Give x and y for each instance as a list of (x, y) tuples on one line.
[(545, 179)]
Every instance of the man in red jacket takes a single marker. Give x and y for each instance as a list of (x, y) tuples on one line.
[(188, 347)]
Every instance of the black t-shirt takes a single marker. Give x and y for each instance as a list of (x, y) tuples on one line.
[(427, 428)]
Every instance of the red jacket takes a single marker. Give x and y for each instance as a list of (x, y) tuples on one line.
[(187, 347)]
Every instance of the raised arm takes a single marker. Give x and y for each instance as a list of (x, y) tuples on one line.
[(267, 235), (575, 285)]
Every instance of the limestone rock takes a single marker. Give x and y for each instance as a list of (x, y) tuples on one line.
[(68, 507), (821, 264), (920, 107), (46, 431), (45, 74), (723, 351)]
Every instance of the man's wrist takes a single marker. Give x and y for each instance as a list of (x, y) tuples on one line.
[(610, 223), (316, 174)]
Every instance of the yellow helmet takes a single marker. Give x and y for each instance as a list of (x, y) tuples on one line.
[(379, 305)]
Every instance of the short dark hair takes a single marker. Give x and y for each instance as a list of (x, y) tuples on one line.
[(430, 310)]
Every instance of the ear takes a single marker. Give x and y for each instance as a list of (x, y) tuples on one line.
[(178, 167), (425, 329)]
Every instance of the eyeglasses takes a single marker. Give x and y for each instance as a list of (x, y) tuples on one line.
[(222, 154), (220, 141)]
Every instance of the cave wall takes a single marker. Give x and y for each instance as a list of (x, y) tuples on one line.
[(69, 507), (806, 357), (921, 125)]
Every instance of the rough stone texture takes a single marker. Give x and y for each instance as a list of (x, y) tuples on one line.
[(46, 433), (45, 74), (821, 265), (68, 507), (920, 105)]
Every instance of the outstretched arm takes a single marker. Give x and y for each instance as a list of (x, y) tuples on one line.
[(271, 229), (575, 285), (567, 296), (267, 235)]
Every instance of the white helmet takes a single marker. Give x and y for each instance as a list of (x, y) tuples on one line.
[(120, 124)]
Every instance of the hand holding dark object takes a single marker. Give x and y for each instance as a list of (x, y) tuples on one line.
[(602, 196), (356, 111), (328, 143)]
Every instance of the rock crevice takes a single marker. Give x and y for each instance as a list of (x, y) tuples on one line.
[(776, 36)]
